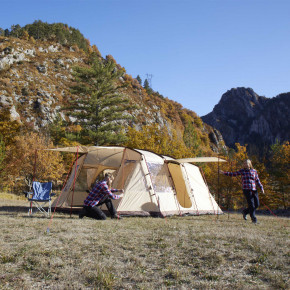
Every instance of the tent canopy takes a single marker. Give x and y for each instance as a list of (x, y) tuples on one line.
[(153, 184), (201, 159)]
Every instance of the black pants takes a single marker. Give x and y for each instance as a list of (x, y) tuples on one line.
[(96, 213), (253, 203)]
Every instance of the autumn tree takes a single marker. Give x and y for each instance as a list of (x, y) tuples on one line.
[(280, 172), (8, 128), (99, 108), (2, 155), (26, 160), (227, 190), (192, 139), (158, 140)]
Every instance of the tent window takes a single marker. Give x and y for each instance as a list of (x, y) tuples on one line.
[(81, 182), (160, 178)]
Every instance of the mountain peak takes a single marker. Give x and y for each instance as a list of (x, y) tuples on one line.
[(244, 117)]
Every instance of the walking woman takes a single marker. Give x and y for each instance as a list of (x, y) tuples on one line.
[(250, 180)]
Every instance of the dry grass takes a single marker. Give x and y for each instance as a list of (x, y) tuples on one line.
[(202, 252)]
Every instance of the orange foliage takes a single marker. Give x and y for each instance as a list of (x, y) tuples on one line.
[(22, 164), (158, 140)]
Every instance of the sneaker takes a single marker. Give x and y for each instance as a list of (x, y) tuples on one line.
[(255, 222), (244, 216)]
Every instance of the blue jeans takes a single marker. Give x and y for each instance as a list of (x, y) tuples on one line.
[(253, 203)]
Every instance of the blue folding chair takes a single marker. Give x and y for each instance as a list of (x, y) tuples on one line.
[(40, 197)]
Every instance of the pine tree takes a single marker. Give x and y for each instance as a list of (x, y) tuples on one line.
[(99, 108), (146, 84), (138, 78)]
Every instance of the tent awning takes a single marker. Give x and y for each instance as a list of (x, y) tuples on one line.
[(80, 149), (200, 159)]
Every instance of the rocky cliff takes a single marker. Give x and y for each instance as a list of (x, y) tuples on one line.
[(244, 117)]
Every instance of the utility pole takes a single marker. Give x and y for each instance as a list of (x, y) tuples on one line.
[(149, 78)]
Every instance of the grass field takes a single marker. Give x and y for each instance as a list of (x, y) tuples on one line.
[(201, 252)]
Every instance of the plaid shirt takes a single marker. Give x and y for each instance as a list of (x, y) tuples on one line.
[(99, 192), (249, 178)]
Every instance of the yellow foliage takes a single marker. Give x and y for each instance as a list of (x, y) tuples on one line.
[(152, 138), (280, 170), (25, 35), (26, 159), (227, 190), (8, 128)]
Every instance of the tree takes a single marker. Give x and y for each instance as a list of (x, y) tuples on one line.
[(26, 159), (138, 78), (158, 140), (99, 108), (280, 172), (25, 35), (192, 139), (8, 129), (228, 190), (15, 30), (2, 156), (146, 84)]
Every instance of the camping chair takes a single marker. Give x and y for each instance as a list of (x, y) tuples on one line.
[(41, 195)]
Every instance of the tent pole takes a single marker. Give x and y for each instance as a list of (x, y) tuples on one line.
[(34, 167), (191, 191), (218, 189), (209, 194), (175, 194), (230, 197), (33, 179), (122, 179), (152, 188), (64, 184), (74, 181)]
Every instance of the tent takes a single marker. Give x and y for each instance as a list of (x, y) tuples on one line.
[(153, 184)]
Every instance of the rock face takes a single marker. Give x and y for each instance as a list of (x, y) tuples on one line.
[(244, 117), (35, 85)]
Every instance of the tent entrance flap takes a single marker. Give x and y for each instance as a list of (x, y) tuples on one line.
[(180, 186)]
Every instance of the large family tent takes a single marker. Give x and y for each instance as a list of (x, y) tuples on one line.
[(153, 184)]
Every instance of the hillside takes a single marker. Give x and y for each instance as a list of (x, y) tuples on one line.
[(36, 76), (245, 117)]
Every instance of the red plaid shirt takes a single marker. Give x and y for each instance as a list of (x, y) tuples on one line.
[(99, 192), (249, 178)]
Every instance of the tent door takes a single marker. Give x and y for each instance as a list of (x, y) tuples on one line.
[(182, 194)]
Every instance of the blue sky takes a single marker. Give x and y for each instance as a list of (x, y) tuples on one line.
[(194, 50)]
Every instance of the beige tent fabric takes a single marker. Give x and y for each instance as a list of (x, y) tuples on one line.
[(75, 149), (152, 184), (69, 193), (203, 199), (201, 159), (108, 157), (183, 196)]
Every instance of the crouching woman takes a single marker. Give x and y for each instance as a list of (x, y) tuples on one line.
[(101, 193)]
